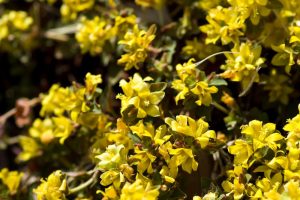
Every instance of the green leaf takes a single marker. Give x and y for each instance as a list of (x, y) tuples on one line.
[(217, 82), (158, 86), (280, 59), (274, 4)]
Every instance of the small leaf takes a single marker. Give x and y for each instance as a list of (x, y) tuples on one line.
[(217, 82)]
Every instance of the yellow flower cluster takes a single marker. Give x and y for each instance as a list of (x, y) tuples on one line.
[(253, 9), (70, 8), (135, 45), (62, 109), (225, 24), (243, 64), (189, 127), (189, 83), (55, 187), (13, 23), (273, 155), (135, 141), (93, 34)]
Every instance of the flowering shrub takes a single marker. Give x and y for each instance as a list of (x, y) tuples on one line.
[(195, 100)]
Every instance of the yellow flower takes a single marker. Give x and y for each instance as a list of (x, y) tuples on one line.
[(226, 24), (197, 129), (292, 189), (183, 90), (112, 158), (142, 130), (120, 135), (63, 128), (228, 100), (293, 127), (11, 179), (295, 33), (241, 151), (14, 22), (42, 129), (267, 184), (182, 157), (109, 193), (30, 148), (93, 35), (241, 65), (58, 100), (143, 159), (235, 183), (187, 70), (54, 188), (262, 135), (139, 190), (70, 8), (91, 82), (165, 172), (141, 96), (136, 43), (253, 9), (187, 83), (112, 177), (203, 91)]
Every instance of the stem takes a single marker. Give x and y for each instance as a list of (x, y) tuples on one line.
[(250, 84), (85, 184), (220, 107), (212, 55)]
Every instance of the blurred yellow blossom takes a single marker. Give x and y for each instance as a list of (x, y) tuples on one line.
[(71, 8), (14, 22), (278, 87), (11, 179), (30, 148), (93, 34)]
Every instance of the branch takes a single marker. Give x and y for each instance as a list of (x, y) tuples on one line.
[(12, 112), (85, 184)]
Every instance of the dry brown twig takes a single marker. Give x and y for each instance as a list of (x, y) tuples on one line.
[(22, 109)]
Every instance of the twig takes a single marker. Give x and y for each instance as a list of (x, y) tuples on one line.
[(250, 84), (85, 184), (220, 107), (12, 112), (61, 33), (212, 55)]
